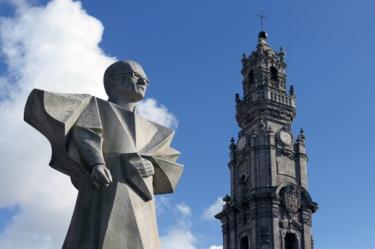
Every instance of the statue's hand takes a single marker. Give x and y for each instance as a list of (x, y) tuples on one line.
[(144, 166), (101, 176)]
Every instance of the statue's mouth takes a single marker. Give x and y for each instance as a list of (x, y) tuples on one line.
[(141, 87)]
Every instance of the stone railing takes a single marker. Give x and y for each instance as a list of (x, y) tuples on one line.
[(244, 105), (282, 99), (272, 96)]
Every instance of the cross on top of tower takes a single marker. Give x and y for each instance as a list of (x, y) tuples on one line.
[(262, 18)]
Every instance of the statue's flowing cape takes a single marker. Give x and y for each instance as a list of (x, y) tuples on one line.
[(54, 115)]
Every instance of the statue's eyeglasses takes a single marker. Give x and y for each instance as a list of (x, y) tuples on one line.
[(133, 75)]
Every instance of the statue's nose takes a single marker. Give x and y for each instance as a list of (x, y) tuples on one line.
[(142, 81)]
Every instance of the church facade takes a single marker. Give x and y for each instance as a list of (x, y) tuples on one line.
[(269, 206)]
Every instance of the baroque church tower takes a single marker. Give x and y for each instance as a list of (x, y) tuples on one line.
[(269, 206)]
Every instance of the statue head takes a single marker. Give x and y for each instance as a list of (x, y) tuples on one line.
[(125, 80)]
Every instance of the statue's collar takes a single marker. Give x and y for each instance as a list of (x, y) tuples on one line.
[(127, 106)]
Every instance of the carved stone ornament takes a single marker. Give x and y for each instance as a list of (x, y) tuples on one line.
[(291, 198)]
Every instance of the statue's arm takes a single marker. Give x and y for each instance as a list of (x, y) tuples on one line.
[(89, 145)]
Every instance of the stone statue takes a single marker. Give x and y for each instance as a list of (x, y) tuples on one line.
[(116, 159)]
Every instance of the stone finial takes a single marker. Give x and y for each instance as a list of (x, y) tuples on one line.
[(282, 54), (302, 133), (291, 90), (244, 59), (227, 199), (232, 146), (237, 98), (301, 136)]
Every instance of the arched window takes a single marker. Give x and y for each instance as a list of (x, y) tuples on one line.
[(251, 77), (274, 74), (291, 241), (244, 243)]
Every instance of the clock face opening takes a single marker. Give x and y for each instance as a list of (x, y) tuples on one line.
[(285, 137), (241, 143)]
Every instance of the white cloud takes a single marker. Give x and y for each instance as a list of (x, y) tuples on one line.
[(214, 209), (157, 113), (162, 203), (216, 247), (179, 235), (178, 238), (54, 47), (183, 209)]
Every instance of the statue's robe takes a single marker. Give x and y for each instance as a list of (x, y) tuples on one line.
[(83, 131)]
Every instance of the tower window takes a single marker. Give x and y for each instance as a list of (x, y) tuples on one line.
[(274, 74), (244, 243), (251, 77), (291, 241)]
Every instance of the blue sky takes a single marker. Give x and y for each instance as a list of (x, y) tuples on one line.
[(191, 51)]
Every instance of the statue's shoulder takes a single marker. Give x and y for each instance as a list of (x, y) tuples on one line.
[(54, 114), (60, 107)]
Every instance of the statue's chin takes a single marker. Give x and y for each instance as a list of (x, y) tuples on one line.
[(126, 97), (135, 97)]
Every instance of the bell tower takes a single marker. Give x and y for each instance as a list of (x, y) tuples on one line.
[(269, 206)]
